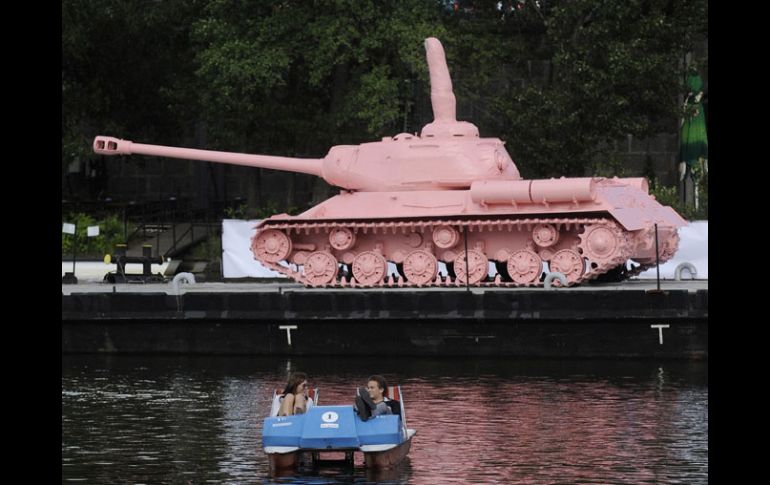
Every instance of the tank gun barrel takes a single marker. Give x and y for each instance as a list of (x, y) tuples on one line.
[(107, 145), (441, 95)]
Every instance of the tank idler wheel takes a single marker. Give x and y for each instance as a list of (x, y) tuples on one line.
[(271, 246), (569, 263), (524, 266), (420, 267), (478, 267), (320, 268), (545, 235), (342, 238), (369, 268)]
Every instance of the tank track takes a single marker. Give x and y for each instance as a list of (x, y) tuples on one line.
[(591, 269)]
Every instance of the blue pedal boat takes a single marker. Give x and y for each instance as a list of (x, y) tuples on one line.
[(335, 430)]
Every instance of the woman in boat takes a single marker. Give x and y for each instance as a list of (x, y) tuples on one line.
[(294, 400)]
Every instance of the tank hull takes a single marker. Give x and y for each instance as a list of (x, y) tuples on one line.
[(508, 233)]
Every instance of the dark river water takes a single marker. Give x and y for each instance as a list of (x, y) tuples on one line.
[(151, 419)]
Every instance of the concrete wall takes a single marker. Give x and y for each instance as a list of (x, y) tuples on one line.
[(599, 323)]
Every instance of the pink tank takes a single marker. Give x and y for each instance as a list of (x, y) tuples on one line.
[(417, 201)]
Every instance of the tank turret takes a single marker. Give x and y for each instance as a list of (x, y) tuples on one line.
[(416, 201)]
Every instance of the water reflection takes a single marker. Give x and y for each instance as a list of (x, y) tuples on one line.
[(329, 475), (198, 419)]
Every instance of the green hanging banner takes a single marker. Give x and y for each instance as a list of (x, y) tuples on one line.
[(694, 150)]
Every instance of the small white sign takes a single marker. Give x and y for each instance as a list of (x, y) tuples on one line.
[(279, 425), (330, 425), (93, 231), (330, 417), (68, 228)]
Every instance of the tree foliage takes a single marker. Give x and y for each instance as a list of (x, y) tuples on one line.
[(609, 68), (110, 233), (127, 67), (305, 76)]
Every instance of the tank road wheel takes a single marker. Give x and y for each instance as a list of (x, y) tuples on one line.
[(420, 267), (601, 243), (524, 266), (445, 236), (369, 268), (545, 235), (478, 266), (342, 238), (320, 268), (271, 246), (569, 263)]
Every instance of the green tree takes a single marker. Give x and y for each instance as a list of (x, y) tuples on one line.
[(126, 68), (613, 68), (310, 75)]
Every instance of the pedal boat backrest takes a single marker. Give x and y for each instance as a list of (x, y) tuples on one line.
[(312, 400), (394, 393)]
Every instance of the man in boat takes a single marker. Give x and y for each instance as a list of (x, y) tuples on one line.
[(375, 399)]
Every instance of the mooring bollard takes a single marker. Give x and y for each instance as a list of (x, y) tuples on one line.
[(685, 266), (552, 276), (188, 278)]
